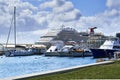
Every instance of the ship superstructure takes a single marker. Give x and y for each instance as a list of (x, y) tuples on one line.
[(48, 37), (67, 35), (71, 36)]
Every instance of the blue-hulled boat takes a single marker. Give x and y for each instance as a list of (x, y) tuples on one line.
[(107, 49)]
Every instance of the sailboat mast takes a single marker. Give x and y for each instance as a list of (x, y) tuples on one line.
[(15, 25)]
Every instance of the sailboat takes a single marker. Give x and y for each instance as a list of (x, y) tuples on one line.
[(15, 51)]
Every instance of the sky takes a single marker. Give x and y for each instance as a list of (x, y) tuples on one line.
[(34, 18)]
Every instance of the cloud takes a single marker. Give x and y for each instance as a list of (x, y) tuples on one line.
[(66, 7), (112, 13), (107, 22), (66, 14), (33, 20), (36, 20), (52, 4), (27, 19), (113, 4), (61, 12), (69, 16)]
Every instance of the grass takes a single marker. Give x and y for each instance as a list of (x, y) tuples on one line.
[(109, 71)]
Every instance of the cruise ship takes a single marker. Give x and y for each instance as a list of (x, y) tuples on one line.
[(67, 35), (71, 36)]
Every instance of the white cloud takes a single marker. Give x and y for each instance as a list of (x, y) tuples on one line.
[(52, 4), (26, 20), (112, 13), (66, 7), (36, 20), (107, 22), (69, 16), (31, 20), (61, 12), (113, 4)]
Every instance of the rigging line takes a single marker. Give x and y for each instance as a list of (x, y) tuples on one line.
[(9, 31)]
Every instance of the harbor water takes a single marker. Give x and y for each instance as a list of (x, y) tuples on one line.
[(16, 66)]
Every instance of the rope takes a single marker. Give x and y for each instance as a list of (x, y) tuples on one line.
[(9, 31)]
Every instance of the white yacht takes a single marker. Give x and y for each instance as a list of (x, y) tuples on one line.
[(107, 49)]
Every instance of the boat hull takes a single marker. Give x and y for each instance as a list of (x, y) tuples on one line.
[(52, 54), (103, 53), (1, 53), (17, 53), (69, 54)]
